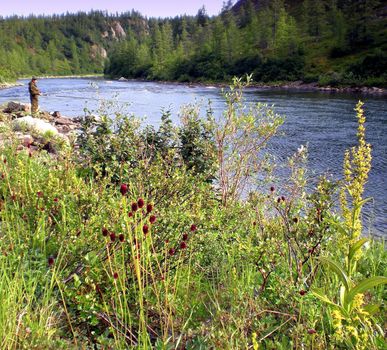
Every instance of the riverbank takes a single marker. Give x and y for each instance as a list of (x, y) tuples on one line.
[(286, 85), (9, 85), (100, 251)]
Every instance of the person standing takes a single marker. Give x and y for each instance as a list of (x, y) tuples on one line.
[(34, 93)]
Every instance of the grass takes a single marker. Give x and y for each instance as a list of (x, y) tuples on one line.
[(151, 258)]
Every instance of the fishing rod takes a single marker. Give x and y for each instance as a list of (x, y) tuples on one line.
[(80, 98)]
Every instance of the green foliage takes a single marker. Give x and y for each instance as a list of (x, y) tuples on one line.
[(125, 243), (276, 40)]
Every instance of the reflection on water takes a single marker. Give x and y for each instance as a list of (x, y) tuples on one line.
[(326, 122)]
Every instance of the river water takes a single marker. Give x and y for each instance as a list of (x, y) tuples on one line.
[(324, 121)]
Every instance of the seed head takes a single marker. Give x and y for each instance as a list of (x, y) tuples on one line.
[(124, 189), (185, 236), (140, 203), (130, 214), (134, 206), (145, 229), (112, 236), (40, 194), (283, 198), (183, 245), (115, 275), (121, 237), (295, 220), (56, 200), (272, 189), (51, 261), (302, 292), (193, 228), (149, 208), (171, 251), (152, 219), (105, 232), (312, 331)]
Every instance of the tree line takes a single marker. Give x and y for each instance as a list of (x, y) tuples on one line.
[(330, 42)]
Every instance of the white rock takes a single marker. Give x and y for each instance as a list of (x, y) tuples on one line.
[(38, 125)]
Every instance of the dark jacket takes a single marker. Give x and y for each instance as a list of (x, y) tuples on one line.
[(33, 89)]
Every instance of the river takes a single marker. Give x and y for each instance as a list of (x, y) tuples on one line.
[(324, 121)]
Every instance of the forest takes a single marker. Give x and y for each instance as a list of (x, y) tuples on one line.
[(330, 42)]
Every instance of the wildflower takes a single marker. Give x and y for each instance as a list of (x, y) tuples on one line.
[(283, 198), (272, 189), (152, 219), (145, 229), (40, 194), (30, 154), (295, 220), (302, 292), (124, 189), (121, 237), (56, 200), (51, 261), (115, 275), (254, 223), (193, 228), (312, 331), (185, 236), (140, 203), (5, 160), (134, 206), (112, 236), (183, 245), (105, 231), (279, 200), (171, 251), (3, 176), (130, 214), (149, 208)]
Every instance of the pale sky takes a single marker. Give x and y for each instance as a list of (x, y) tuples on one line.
[(149, 8)]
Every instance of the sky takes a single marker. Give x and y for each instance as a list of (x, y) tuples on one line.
[(149, 8)]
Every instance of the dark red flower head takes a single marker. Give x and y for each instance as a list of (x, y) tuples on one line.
[(130, 214), (302, 292), (183, 245), (295, 220), (112, 236), (312, 331), (105, 231), (56, 200), (145, 229), (149, 208), (193, 228), (115, 275), (283, 198), (185, 236), (254, 223), (51, 261), (40, 194), (121, 237), (172, 251), (272, 188), (152, 219), (134, 206), (140, 203), (278, 199), (124, 189)]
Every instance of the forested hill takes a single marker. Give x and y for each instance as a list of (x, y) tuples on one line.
[(330, 42)]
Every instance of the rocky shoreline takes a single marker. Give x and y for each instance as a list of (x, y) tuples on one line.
[(46, 131)]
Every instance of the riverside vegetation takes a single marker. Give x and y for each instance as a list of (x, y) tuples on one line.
[(145, 238)]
